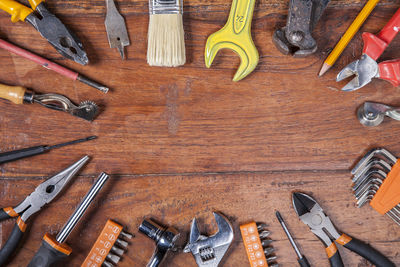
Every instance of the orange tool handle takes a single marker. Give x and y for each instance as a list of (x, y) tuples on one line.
[(13, 93), (388, 195)]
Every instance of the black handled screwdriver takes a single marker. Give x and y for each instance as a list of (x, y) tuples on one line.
[(54, 251), (36, 150), (301, 259)]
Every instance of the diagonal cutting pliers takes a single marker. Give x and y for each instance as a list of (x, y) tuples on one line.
[(366, 68), (311, 213), (43, 194), (49, 26)]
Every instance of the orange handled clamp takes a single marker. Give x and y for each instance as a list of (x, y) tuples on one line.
[(366, 68)]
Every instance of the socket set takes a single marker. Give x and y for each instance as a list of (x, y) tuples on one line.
[(258, 246), (376, 179), (109, 246)]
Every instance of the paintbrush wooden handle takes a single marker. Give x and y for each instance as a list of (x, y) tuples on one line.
[(13, 93)]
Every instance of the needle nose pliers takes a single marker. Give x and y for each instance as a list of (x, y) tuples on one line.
[(43, 194), (49, 26), (311, 213)]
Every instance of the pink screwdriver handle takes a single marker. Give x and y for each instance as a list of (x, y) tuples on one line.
[(374, 45), (390, 70)]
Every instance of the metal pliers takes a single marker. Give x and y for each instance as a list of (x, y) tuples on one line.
[(49, 26), (43, 194), (313, 215), (366, 67)]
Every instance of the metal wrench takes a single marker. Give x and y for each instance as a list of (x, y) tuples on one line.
[(208, 251), (235, 35)]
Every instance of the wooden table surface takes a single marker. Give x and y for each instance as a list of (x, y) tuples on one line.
[(183, 142)]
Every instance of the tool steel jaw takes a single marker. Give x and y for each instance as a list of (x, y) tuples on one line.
[(209, 250), (55, 32), (365, 69)]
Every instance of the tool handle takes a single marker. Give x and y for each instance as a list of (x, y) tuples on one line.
[(39, 60), (391, 28), (368, 252), (35, 3), (13, 241), (334, 257), (16, 10), (374, 45), (51, 253), (21, 153), (390, 70), (13, 93), (303, 262)]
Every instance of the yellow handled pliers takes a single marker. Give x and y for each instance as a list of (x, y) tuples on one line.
[(49, 26)]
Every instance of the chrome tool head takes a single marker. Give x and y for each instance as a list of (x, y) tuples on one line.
[(86, 110), (364, 69), (313, 215), (209, 250), (116, 28), (59, 36), (373, 153), (48, 190), (372, 114)]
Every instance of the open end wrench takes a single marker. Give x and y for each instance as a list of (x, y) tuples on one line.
[(235, 35), (208, 251)]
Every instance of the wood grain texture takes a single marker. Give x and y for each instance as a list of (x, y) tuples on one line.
[(187, 141)]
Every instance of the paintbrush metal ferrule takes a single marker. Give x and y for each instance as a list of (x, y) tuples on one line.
[(165, 7)]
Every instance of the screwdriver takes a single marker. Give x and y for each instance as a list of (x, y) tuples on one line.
[(36, 150), (301, 259), (54, 250)]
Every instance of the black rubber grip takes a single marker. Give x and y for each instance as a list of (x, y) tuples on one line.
[(22, 153), (4, 215), (368, 252), (303, 262), (11, 245), (47, 256), (335, 260)]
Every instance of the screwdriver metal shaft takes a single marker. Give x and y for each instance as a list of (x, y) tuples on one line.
[(301, 259), (36, 150)]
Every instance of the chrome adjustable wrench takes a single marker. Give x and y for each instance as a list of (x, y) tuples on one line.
[(208, 251)]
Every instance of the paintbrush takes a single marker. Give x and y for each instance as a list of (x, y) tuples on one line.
[(166, 43)]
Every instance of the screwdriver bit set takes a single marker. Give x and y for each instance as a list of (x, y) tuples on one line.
[(376, 179), (258, 246), (109, 246)]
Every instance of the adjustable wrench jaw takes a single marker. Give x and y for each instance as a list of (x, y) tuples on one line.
[(236, 36), (209, 251), (364, 69)]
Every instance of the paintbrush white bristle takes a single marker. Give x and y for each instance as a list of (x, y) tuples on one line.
[(166, 40)]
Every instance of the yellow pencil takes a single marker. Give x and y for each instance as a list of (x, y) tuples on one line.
[(348, 35)]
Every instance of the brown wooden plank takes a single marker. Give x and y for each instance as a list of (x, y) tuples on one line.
[(175, 200), (274, 119)]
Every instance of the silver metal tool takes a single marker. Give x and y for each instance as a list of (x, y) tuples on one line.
[(269, 251), (82, 207), (165, 239), (116, 28), (86, 110), (372, 114), (368, 176), (302, 260), (209, 250)]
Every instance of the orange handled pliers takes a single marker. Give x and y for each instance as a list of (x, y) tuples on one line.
[(49, 26)]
